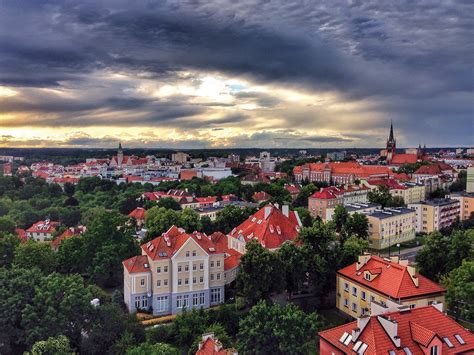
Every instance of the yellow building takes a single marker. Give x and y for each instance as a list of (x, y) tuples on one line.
[(391, 226), (381, 280), (466, 205), (411, 192), (434, 215), (177, 270)]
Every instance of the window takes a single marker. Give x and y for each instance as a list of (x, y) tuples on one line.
[(165, 268), (186, 267), (162, 303), (202, 298), (142, 282), (194, 267), (407, 351), (179, 282), (201, 266), (158, 269), (212, 263), (346, 302), (194, 252), (186, 301), (194, 280), (367, 276), (362, 311), (354, 307), (346, 286), (179, 268), (186, 281), (201, 279), (158, 283), (187, 254), (372, 299), (218, 276), (354, 291), (218, 263), (195, 299), (448, 342), (212, 277), (216, 295), (179, 301), (459, 339), (137, 302), (434, 350), (144, 302), (165, 282), (363, 295)]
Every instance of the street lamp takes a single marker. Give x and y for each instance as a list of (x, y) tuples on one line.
[(398, 246)]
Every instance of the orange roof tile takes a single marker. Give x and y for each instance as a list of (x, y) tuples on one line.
[(138, 213), (137, 264)]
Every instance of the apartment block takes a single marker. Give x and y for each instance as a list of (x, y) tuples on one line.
[(391, 226), (470, 180), (175, 271), (382, 280), (434, 215), (466, 205), (351, 208)]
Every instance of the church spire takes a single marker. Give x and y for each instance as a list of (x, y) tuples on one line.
[(390, 138)]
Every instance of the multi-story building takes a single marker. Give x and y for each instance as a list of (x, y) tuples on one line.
[(175, 271), (410, 192), (420, 331), (42, 231), (380, 280), (270, 226), (434, 215), (340, 173), (329, 197), (391, 226), (351, 208), (180, 157), (466, 204), (470, 180)]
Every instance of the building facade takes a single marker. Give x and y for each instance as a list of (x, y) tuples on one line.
[(466, 205), (391, 226), (470, 180), (176, 271), (381, 280), (437, 214)]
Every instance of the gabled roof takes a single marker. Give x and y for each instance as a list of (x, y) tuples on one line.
[(21, 233), (269, 226), (328, 193), (138, 213), (68, 233), (166, 245), (212, 346), (232, 259), (399, 159), (208, 199), (394, 279), (346, 168), (261, 196), (426, 322), (43, 227), (390, 183), (434, 169)]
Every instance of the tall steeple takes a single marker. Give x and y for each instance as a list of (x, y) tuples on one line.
[(390, 138), (391, 144), (120, 155)]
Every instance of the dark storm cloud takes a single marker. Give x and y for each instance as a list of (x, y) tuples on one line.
[(415, 59)]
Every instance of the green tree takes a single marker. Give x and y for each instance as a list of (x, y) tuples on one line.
[(153, 349), (340, 219), (305, 216), (294, 266), (159, 219), (219, 334), (58, 345), (189, 220), (352, 248), (61, 305), (8, 244), (461, 247), (34, 254), (7, 225), (302, 198), (381, 196), (169, 203), (432, 259), (358, 225), (272, 329), (230, 217), (460, 290), (259, 273)]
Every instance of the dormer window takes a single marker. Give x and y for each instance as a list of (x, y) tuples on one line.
[(434, 350), (367, 276)]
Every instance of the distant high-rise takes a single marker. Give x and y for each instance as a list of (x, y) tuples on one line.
[(120, 155), (391, 144), (470, 179)]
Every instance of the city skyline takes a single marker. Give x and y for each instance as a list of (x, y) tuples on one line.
[(219, 74)]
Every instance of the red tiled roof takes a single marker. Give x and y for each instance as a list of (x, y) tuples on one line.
[(271, 231), (43, 227), (402, 177), (434, 169), (138, 213), (209, 199), (346, 168), (212, 346), (137, 264), (68, 233), (232, 259), (261, 196), (400, 159), (424, 321), (229, 197), (390, 183), (328, 193), (164, 246), (394, 279), (21, 233)]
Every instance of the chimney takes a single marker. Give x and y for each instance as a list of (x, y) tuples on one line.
[(286, 210), (363, 259), (391, 328), (414, 278), (268, 210), (361, 324)]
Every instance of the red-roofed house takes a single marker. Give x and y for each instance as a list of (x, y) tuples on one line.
[(68, 233), (373, 278), (261, 196), (270, 226), (409, 192), (419, 331), (294, 190), (42, 230), (22, 235), (177, 270), (212, 346), (435, 170), (138, 214)]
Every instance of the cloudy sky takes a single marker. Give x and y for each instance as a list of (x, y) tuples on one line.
[(252, 73)]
